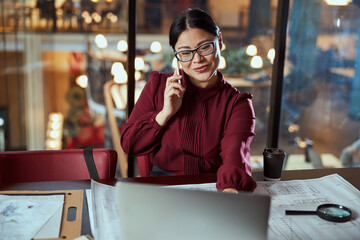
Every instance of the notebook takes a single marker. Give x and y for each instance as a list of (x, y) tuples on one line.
[(153, 212)]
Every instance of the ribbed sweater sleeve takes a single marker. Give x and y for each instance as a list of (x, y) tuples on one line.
[(235, 172), (141, 133)]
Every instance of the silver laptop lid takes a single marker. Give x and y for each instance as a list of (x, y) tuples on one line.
[(153, 212)]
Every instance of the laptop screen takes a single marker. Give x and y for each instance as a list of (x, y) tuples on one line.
[(153, 212)]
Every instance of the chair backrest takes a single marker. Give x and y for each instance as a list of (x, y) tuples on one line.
[(114, 128), (144, 163), (145, 166), (54, 165)]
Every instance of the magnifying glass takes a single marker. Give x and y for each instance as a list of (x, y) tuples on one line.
[(329, 212)]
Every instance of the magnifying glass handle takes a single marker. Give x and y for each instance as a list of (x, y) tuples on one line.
[(297, 212)]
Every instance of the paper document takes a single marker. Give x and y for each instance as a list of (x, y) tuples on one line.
[(105, 220), (21, 217), (51, 228), (90, 209), (307, 195), (210, 187)]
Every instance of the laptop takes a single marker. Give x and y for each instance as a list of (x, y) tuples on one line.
[(154, 212)]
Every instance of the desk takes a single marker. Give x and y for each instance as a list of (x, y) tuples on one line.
[(350, 174)]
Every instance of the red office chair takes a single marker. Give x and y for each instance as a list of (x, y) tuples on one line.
[(57, 165), (144, 165)]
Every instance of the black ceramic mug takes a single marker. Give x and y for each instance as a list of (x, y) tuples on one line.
[(273, 163)]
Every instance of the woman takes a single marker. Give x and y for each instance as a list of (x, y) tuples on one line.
[(200, 124)]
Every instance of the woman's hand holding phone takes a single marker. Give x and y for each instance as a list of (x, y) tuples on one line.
[(173, 95)]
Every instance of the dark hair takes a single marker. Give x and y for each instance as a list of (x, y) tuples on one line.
[(192, 18)]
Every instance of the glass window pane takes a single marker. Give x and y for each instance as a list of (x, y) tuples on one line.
[(52, 64), (320, 107), (45, 68)]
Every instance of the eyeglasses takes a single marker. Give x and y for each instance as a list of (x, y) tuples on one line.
[(203, 50)]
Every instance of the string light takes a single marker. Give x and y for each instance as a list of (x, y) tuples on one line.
[(338, 2), (85, 14), (101, 41), (97, 17), (256, 62), (271, 55), (121, 77), (54, 131), (116, 68), (251, 50), (122, 46), (2, 122), (137, 75), (139, 63), (155, 47), (82, 81)]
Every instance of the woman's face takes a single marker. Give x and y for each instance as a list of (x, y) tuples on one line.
[(202, 70)]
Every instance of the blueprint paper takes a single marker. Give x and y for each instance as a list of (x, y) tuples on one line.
[(307, 195)]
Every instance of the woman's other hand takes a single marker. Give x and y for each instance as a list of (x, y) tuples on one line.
[(173, 95), (230, 190)]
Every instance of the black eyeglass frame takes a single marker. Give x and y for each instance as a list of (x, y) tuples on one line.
[(196, 50)]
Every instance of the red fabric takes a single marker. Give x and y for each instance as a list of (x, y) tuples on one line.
[(145, 166), (211, 132), (54, 165)]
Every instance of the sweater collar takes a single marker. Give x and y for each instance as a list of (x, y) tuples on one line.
[(204, 93)]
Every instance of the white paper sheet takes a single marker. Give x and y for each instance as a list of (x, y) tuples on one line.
[(209, 187), (51, 229), (90, 210), (21, 217), (105, 212), (307, 195)]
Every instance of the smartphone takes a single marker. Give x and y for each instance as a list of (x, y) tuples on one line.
[(177, 69)]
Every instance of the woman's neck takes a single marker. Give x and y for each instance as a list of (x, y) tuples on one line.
[(212, 80)]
